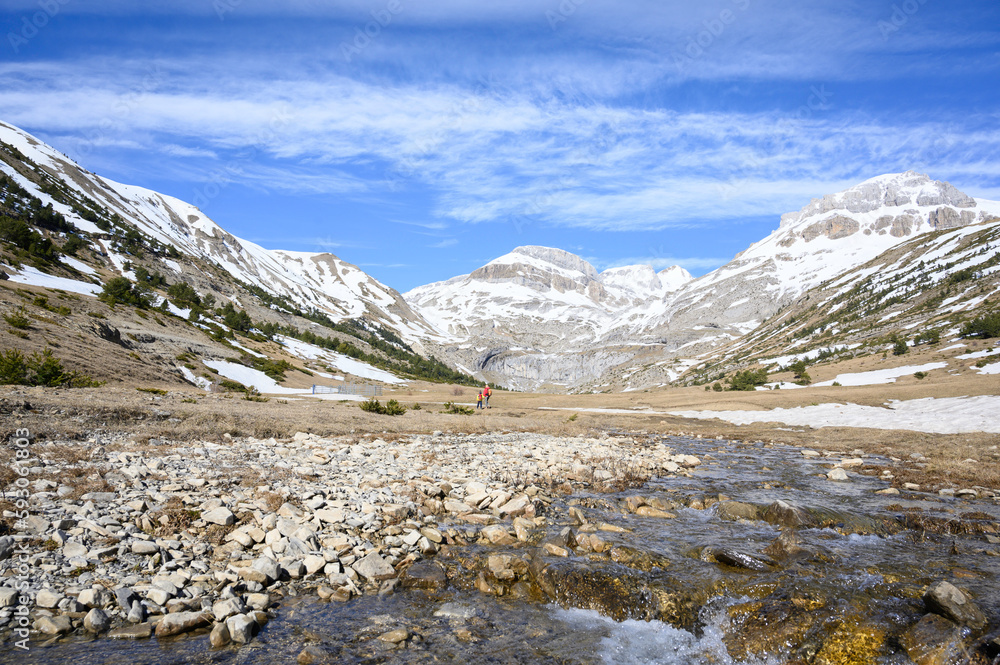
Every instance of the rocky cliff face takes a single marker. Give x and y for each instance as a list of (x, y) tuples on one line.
[(540, 315)]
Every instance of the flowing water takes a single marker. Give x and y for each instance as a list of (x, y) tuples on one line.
[(861, 567)]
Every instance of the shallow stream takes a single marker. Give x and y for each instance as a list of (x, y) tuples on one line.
[(867, 565)]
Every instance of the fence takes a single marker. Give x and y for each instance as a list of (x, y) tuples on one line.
[(365, 389)]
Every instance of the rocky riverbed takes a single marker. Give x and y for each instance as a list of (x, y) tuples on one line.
[(451, 547)]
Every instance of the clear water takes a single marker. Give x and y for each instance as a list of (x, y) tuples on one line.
[(879, 576)]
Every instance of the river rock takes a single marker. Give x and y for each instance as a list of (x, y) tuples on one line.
[(144, 547), (314, 655), (374, 568), (139, 631), (395, 636), (268, 568), (97, 596), (735, 558), (786, 545), (837, 474), (47, 599), (242, 628), (785, 514), (934, 640), (224, 609), (424, 575), (181, 622), (221, 516), (952, 603), (59, 625), (97, 621), (737, 510), (125, 598), (219, 637)]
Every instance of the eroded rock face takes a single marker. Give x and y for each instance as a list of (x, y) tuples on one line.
[(834, 228)]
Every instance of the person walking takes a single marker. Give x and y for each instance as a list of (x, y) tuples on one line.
[(479, 400), (486, 395)]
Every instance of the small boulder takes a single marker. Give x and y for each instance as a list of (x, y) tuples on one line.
[(181, 622), (934, 640), (221, 516), (374, 568), (424, 575), (59, 625), (242, 628), (97, 621), (952, 603), (219, 637)]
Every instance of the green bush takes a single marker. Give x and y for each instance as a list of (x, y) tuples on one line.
[(39, 369), (802, 377), (18, 319), (928, 337), (451, 407), (987, 325), (121, 290), (748, 379), (232, 386), (391, 408), (899, 346)]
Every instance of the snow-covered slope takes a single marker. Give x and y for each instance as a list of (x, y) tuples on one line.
[(562, 322), (318, 281), (826, 238)]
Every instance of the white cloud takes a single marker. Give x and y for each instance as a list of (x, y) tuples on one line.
[(490, 154)]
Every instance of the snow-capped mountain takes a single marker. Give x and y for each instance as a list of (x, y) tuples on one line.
[(540, 315), (822, 240), (318, 281), (519, 309)]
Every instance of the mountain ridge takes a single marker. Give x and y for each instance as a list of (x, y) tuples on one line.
[(826, 237)]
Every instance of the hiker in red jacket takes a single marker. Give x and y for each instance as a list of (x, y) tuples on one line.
[(486, 395)]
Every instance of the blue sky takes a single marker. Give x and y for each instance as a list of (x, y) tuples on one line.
[(419, 140)]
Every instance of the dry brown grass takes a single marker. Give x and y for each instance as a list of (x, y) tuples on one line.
[(65, 414)]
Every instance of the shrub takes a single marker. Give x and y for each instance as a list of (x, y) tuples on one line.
[(802, 377), (121, 290), (18, 319), (928, 337), (899, 346), (747, 379), (451, 407), (987, 325), (232, 386), (39, 369), (920, 375), (391, 408)]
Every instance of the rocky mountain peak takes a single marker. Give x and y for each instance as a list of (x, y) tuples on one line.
[(909, 190)]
